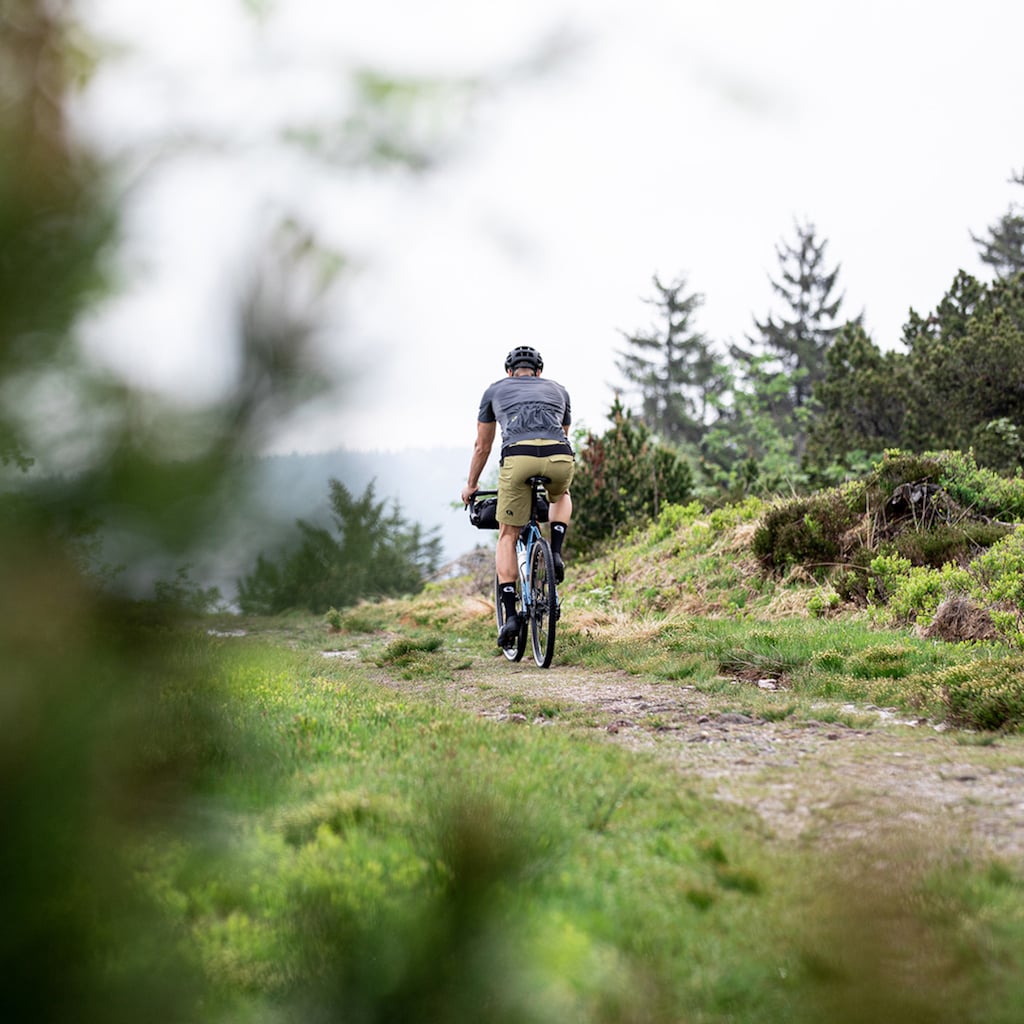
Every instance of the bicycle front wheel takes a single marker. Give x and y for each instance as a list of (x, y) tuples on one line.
[(544, 603), (512, 653)]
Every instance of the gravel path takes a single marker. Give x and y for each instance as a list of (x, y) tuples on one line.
[(811, 782)]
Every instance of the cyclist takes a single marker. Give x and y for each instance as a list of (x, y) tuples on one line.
[(534, 415)]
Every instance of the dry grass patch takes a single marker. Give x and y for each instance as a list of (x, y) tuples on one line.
[(959, 619), (790, 603), (739, 538), (619, 627)]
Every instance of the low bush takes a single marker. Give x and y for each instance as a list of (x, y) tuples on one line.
[(915, 596), (983, 491), (808, 531), (917, 532), (948, 542), (983, 694)]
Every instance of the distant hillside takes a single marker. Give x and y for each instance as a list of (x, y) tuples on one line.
[(283, 488)]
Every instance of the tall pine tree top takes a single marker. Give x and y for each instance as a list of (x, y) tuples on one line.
[(802, 335), (672, 365), (1003, 250)]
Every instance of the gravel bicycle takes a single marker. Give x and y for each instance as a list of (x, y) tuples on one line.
[(537, 601)]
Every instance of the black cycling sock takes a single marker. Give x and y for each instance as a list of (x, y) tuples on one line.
[(508, 598), (557, 536)]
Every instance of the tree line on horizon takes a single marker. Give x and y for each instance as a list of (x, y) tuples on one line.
[(810, 397)]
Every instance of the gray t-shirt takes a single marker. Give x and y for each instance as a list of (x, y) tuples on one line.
[(526, 409)]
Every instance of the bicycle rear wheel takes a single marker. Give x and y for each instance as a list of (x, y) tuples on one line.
[(544, 605), (512, 653)]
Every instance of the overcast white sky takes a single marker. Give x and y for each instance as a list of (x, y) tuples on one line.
[(677, 138)]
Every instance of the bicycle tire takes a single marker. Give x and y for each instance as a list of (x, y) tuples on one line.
[(512, 653), (544, 605)]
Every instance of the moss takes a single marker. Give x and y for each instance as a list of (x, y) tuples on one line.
[(900, 468)]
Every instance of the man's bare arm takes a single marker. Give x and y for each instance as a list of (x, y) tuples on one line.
[(481, 453)]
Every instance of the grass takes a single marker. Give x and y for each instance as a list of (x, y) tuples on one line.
[(369, 847), (854, 660), (384, 816), (373, 848)]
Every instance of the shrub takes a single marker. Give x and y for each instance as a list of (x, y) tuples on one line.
[(185, 595), (865, 537), (886, 572), (898, 467), (889, 661), (982, 490), (807, 531), (986, 695), (819, 605), (916, 595), (1000, 571), (623, 479), (673, 518), (946, 542), (729, 516)]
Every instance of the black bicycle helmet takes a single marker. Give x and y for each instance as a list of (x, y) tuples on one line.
[(523, 355)]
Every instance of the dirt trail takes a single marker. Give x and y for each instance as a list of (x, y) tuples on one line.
[(809, 781)]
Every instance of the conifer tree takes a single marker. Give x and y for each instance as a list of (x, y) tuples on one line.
[(624, 478), (673, 366), (1003, 249), (861, 403), (966, 370), (787, 357), (373, 551), (800, 337)]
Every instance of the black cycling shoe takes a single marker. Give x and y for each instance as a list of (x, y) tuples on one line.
[(509, 635), (559, 567)]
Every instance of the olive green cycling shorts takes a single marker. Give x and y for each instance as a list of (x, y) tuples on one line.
[(514, 491)]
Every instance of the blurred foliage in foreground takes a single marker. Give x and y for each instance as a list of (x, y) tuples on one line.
[(110, 722), (122, 747), (91, 757)]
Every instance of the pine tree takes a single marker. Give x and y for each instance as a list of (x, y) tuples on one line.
[(624, 478), (966, 370), (862, 404), (673, 366), (373, 551), (1003, 249), (800, 339)]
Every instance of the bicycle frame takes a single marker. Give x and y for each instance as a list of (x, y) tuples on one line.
[(529, 537), (539, 605)]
